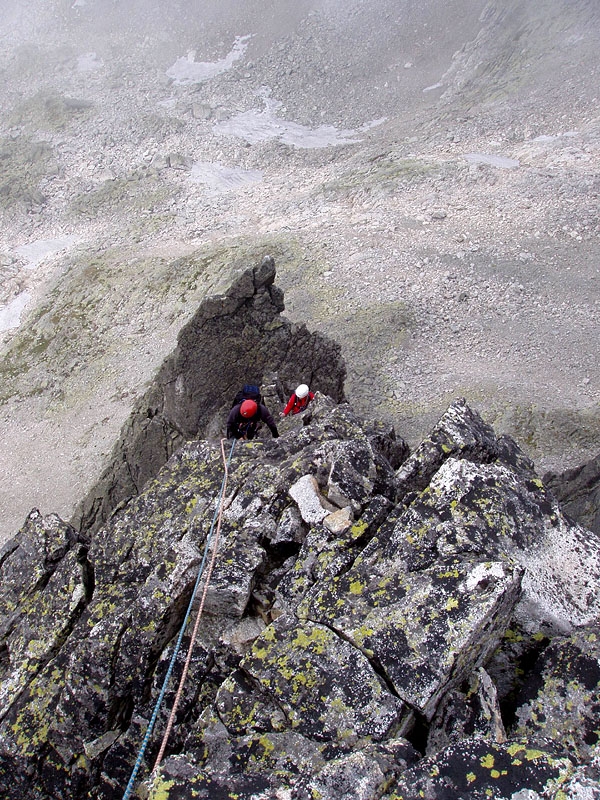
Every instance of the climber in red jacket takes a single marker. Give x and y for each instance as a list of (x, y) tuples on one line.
[(298, 401)]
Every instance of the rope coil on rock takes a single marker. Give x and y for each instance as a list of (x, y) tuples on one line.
[(217, 518)]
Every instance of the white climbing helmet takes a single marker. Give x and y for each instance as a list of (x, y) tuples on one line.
[(302, 391)]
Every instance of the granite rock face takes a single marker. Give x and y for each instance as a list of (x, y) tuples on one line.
[(357, 638), (234, 338), (578, 491)]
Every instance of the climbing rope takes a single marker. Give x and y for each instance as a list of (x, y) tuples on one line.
[(217, 518)]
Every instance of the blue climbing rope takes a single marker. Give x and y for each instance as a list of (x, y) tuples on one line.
[(167, 678)]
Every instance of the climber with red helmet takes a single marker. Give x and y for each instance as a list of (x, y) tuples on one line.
[(245, 417), (298, 401)]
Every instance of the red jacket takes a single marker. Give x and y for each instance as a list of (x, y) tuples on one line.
[(296, 404)]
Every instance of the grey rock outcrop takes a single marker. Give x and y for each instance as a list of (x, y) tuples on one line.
[(550, 708), (234, 338), (474, 712), (475, 769), (355, 659), (578, 492)]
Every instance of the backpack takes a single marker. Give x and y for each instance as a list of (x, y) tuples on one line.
[(248, 392)]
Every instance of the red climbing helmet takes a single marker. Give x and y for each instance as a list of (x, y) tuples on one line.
[(248, 408)]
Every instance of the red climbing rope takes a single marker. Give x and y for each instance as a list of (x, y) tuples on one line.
[(182, 680)]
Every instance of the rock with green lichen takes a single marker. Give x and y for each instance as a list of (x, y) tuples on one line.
[(286, 692), (323, 554), (470, 711), (477, 770), (29, 560), (256, 765), (290, 529), (326, 656), (352, 474), (323, 686), (44, 586), (99, 669), (426, 630), (326, 553), (143, 568), (561, 699), (512, 660), (459, 433), (478, 493), (361, 775), (582, 784), (493, 509)]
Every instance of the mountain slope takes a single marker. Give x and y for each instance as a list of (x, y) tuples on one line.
[(426, 176)]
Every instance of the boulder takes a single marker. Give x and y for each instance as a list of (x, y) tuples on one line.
[(561, 698), (311, 504), (476, 769), (578, 492), (425, 630), (469, 712)]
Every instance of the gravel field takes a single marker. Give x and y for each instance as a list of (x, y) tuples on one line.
[(426, 178)]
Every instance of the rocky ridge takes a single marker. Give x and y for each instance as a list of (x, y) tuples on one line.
[(378, 625), (235, 337)]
